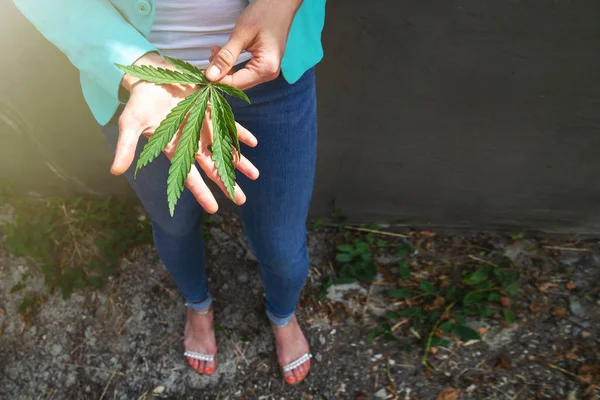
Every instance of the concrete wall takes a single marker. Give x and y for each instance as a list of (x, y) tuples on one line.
[(446, 112)]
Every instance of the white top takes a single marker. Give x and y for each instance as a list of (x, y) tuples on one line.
[(187, 29)]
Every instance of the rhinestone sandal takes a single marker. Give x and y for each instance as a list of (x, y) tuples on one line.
[(201, 356), (296, 363)]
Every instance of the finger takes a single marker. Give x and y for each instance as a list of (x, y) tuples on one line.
[(245, 136), (246, 167), (201, 192), (208, 166), (126, 146), (213, 52), (225, 58), (255, 72)]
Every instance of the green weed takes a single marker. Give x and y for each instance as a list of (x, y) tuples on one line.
[(77, 242)]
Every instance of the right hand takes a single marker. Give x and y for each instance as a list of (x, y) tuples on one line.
[(147, 106)]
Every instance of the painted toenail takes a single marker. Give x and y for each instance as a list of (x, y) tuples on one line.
[(208, 371), (290, 379)]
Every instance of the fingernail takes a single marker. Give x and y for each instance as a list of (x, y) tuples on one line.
[(213, 72), (290, 379), (208, 371)]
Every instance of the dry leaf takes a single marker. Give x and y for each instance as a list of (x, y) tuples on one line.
[(448, 394), (503, 362), (572, 354), (559, 312), (505, 302), (534, 307), (571, 285), (545, 286), (437, 304), (482, 330), (427, 234), (588, 369), (388, 276)]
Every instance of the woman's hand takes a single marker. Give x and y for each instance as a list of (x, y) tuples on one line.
[(262, 30), (148, 105)]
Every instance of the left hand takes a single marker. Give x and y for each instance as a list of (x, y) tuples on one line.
[(262, 30)]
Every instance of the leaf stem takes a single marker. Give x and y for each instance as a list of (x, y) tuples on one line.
[(432, 333)]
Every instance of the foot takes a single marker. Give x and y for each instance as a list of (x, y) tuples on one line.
[(291, 345), (199, 336)]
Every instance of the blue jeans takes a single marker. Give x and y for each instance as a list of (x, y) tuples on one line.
[(283, 118)]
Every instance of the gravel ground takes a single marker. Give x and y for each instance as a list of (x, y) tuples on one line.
[(125, 340)]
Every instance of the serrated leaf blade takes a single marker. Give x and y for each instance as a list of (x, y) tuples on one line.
[(184, 157), (229, 120), (232, 91), (187, 68), (166, 130), (160, 76), (221, 146)]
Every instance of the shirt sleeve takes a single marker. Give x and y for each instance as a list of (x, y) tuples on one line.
[(91, 33)]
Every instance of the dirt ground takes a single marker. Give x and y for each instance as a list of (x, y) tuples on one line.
[(125, 341)]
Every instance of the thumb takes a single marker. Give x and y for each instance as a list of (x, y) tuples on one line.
[(125, 151), (223, 61)]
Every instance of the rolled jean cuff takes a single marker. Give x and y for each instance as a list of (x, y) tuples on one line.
[(200, 306), (278, 320)]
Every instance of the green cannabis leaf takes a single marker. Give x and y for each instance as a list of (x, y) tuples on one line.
[(187, 148), (225, 142)]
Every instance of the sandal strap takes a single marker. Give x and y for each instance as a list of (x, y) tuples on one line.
[(197, 312), (199, 356), (296, 363)]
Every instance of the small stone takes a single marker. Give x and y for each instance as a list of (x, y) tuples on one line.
[(318, 357), (242, 276), (322, 339), (71, 379), (56, 349), (471, 388), (158, 390), (586, 334), (225, 287), (577, 309), (332, 332), (381, 393), (250, 256)]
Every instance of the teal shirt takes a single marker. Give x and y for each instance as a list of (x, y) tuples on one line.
[(96, 34)]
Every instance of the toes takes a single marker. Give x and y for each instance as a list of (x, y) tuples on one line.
[(289, 377), (297, 374), (209, 368), (302, 370), (190, 360), (201, 366)]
